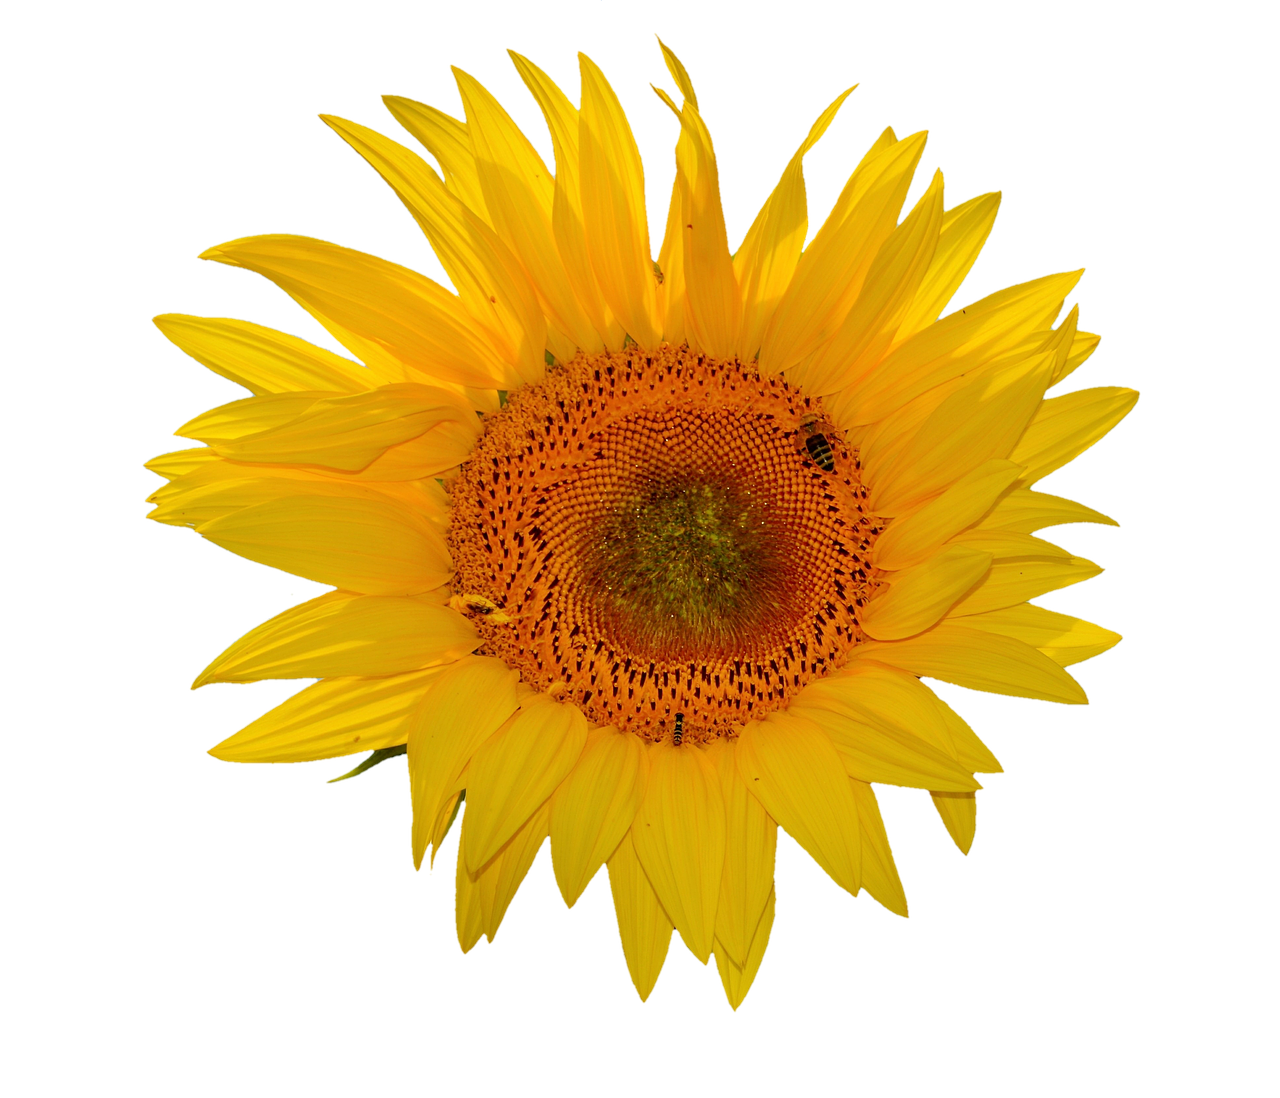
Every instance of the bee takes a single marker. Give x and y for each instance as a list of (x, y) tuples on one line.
[(678, 735), (814, 429)]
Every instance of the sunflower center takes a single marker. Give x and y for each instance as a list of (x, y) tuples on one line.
[(683, 561), (661, 540)]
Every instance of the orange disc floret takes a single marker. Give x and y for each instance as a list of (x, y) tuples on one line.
[(654, 535)]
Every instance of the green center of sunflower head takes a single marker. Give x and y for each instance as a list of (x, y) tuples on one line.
[(683, 558)]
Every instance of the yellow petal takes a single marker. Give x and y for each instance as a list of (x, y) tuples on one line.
[(1024, 511), (180, 462), (737, 980), (497, 140), (468, 910), (679, 837), (979, 421), (594, 806), (788, 762), (249, 416), (262, 360), (964, 231), (751, 840), (517, 769), (447, 139), (883, 696), (349, 433), (771, 249), (979, 660), (441, 448), (959, 812), (492, 287), (344, 634), (713, 304), (1064, 427), (1023, 568), (671, 303), (446, 817), (513, 863), (880, 751), (401, 324), (830, 273), (879, 871), (519, 192), (334, 717), (914, 537), (466, 705), (1082, 346), (644, 927), (560, 113), (871, 324), (959, 344), (566, 208), (613, 210), (1065, 640), (332, 536), (918, 597), (679, 74), (1060, 342), (217, 488)]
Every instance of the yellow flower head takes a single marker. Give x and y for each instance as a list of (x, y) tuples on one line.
[(646, 556)]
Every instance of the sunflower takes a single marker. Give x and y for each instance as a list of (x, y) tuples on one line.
[(647, 557)]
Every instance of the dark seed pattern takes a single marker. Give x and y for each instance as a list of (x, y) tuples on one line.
[(665, 548)]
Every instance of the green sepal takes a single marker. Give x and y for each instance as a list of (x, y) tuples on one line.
[(381, 755)]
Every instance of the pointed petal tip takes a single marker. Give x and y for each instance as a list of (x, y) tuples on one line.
[(389, 100)]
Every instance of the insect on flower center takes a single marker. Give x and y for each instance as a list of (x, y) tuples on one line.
[(659, 533)]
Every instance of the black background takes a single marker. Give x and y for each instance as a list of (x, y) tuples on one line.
[(274, 878)]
